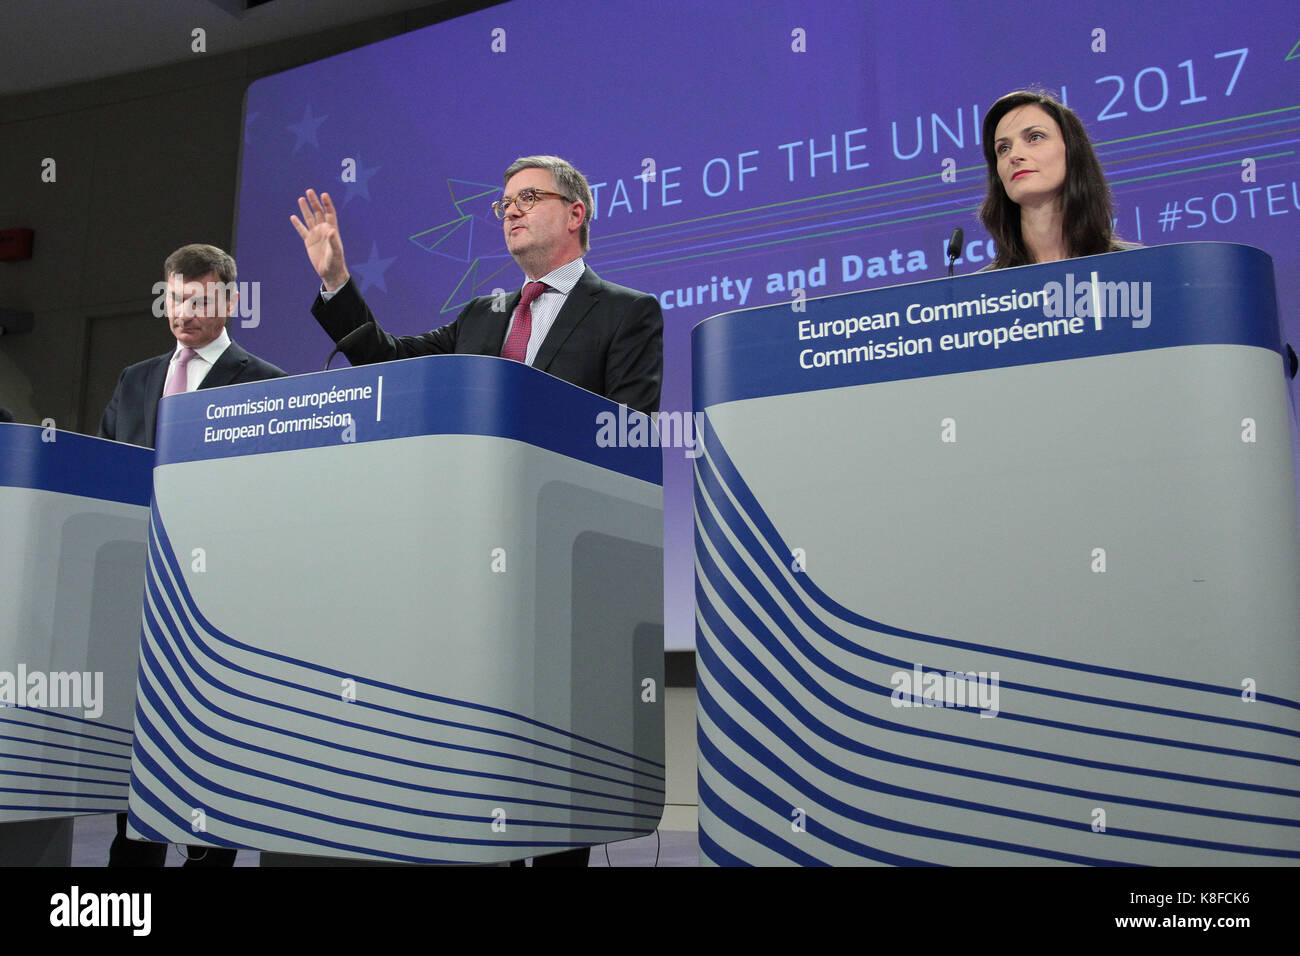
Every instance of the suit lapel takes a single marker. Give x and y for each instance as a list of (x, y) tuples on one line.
[(582, 299), (228, 365)]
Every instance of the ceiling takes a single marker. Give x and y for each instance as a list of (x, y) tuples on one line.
[(50, 43)]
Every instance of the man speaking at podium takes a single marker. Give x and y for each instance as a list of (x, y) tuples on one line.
[(200, 297), (565, 320)]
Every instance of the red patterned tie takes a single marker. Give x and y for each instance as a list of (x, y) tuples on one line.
[(521, 327)]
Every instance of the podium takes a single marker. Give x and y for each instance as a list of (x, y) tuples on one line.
[(74, 513), (406, 612), (1002, 570)]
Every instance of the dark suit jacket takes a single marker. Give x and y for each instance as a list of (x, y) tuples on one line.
[(132, 414), (607, 339)]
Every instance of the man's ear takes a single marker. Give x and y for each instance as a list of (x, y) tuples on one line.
[(577, 215), (231, 302)]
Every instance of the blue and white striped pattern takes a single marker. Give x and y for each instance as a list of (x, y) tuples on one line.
[(54, 764), (263, 750), (803, 759)]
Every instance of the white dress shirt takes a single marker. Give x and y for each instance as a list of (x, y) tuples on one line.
[(201, 364)]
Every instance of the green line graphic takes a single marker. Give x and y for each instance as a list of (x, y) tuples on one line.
[(1217, 122), (1197, 169)]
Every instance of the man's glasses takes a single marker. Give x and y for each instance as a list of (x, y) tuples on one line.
[(525, 201)]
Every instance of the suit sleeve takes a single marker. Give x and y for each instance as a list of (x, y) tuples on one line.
[(634, 365), (108, 422), (347, 311)]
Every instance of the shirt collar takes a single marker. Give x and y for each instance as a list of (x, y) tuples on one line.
[(210, 352), (563, 279)]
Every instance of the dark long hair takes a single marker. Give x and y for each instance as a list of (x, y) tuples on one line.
[(1085, 197)]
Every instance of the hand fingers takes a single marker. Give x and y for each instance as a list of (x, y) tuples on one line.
[(297, 225), (329, 205), (307, 216), (316, 207)]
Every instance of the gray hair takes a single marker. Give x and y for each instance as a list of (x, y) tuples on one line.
[(568, 181)]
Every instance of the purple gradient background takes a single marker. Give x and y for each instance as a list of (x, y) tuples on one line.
[(683, 85)]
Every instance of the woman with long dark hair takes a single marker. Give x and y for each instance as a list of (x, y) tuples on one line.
[(1047, 198)]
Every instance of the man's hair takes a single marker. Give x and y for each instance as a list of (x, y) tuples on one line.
[(197, 260), (568, 181), (1085, 198)]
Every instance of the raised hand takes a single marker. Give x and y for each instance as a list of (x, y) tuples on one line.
[(319, 231)]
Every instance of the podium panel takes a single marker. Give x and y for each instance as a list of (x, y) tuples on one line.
[(1002, 570), (401, 612), (74, 513)]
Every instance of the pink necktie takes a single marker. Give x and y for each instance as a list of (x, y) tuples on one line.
[(178, 380), (521, 327)]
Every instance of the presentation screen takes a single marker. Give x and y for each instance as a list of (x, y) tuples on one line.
[(745, 153)]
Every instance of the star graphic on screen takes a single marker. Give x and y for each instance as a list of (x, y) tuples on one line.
[(372, 271), (305, 129), (361, 187)]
